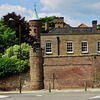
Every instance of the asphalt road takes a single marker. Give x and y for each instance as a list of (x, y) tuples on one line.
[(53, 96)]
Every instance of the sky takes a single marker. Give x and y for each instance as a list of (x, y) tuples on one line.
[(74, 12)]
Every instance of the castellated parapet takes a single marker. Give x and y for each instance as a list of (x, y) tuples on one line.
[(59, 22), (36, 69)]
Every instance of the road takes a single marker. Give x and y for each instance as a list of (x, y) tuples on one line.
[(52, 96)]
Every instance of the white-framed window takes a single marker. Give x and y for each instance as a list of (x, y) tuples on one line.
[(98, 45), (69, 47), (84, 47), (48, 47)]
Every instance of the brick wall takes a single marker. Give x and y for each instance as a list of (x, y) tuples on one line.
[(12, 83), (70, 72), (61, 72)]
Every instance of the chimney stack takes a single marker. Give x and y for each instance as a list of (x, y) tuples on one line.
[(47, 26), (94, 24)]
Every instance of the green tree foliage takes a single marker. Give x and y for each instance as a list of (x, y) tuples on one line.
[(50, 20), (9, 63), (10, 66), (98, 26), (24, 66), (12, 20), (1, 22), (7, 37), (13, 52)]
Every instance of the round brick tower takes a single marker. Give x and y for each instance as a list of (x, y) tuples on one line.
[(36, 27), (36, 69)]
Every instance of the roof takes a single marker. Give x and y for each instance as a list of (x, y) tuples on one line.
[(74, 30), (35, 15), (82, 25)]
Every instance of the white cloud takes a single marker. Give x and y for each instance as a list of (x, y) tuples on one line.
[(67, 19), (58, 5), (49, 14), (69, 7), (6, 8), (72, 22), (94, 8), (49, 4)]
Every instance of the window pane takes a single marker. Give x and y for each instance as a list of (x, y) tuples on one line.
[(84, 47), (48, 47), (98, 46), (69, 47)]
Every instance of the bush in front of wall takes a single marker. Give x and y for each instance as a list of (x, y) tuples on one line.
[(10, 66)]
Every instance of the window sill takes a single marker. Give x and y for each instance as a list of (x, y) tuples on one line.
[(98, 52), (84, 52), (69, 52), (49, 53)]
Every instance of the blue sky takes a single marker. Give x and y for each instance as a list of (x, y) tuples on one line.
[(74, 12)]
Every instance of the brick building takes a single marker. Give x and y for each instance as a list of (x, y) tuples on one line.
[(71, 41), (71, 55), (65, 57)]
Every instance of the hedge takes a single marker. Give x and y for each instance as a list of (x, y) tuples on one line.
[(10, 66)]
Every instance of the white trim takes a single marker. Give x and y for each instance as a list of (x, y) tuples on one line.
[(69, 52)]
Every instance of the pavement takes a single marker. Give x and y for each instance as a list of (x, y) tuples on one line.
[(52, 91), (3, 96), (67, 93)]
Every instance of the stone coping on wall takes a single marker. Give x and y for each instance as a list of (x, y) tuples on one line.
[(46, 34), (81, 55)]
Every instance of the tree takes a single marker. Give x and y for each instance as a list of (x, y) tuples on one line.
[(13, 52), (7, 37), (98, 26), (10, 66), (14, 25), (50, 20)]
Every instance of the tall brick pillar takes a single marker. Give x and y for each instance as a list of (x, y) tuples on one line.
[(36, 69)]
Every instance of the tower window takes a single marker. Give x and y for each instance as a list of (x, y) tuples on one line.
[(34, 30)]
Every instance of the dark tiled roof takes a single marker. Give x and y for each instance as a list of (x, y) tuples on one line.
[(74, 30)]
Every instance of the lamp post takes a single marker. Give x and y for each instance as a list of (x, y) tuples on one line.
[(19, 53)]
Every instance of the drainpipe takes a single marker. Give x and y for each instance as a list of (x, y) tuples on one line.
[(58, 44)]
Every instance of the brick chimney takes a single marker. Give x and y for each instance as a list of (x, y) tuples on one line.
[(46, 26), (94, 24)]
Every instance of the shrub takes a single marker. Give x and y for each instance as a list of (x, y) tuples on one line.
[(10, 66), (13, 52)]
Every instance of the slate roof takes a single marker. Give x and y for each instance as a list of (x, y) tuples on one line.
[(74, 30)]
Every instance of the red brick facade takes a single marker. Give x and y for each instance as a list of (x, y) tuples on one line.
[(70, 72), (62, 73)]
